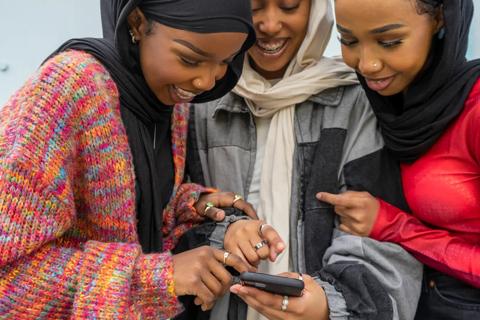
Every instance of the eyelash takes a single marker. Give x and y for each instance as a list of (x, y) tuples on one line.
[(189, 63), (385, 44), (291, 9)]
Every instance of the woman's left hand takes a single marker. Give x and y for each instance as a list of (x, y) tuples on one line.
[(209, 203), (311, 305), (357, 210)]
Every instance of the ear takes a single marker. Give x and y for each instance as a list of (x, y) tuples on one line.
[(137, 23)]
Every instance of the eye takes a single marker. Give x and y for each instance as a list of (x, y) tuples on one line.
[(346, 42), (189, 62), (390, 44), (291, 8)]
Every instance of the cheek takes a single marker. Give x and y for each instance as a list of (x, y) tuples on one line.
[(349, 57)]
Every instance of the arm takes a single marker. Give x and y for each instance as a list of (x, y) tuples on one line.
[(436, 248), (48, 266)]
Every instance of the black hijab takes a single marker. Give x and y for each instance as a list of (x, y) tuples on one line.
[(412, 122), (141, 110)]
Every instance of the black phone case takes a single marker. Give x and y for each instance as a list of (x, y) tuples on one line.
[(275, 284)]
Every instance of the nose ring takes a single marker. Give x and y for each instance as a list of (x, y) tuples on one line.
[(375, 65)]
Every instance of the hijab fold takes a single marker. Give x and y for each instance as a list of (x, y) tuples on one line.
[(140, 109), (413, 121), (308, 73)]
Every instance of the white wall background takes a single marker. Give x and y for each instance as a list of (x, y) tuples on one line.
[(32, 29)]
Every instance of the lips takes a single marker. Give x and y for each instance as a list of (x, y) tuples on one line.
[(180, 95), (379, 84), (273, 47)]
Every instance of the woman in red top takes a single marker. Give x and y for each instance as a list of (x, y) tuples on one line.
[(410, 58)]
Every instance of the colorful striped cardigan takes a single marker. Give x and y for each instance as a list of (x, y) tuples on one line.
[(68, 240)]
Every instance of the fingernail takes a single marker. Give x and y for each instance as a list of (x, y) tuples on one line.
[(280, 246), (319, 196), (220, 214), (234, 289)]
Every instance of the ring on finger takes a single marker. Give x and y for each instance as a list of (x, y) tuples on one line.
[(300, 277), (209, 205), (284, 303), (236, 197), (260, 229), (260, 245), (225, 257)]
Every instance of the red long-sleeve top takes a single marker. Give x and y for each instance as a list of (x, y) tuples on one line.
[(442, 189)]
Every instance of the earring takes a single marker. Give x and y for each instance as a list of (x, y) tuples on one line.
[(134, 41), (441, 33)]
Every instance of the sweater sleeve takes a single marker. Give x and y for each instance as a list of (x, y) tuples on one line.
[(436, 248), (48, 267)]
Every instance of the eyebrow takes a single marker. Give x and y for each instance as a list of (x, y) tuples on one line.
[(193, 48), (383, 29)]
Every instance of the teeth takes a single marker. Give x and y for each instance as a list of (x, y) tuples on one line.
[(271, 46), (184, 94)]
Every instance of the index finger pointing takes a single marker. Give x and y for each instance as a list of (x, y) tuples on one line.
[(274, 240), (334, 199)]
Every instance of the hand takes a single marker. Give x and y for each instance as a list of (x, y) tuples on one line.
[(222, 199), (311, 305), (242, 236), (201, 272), (357, 210)]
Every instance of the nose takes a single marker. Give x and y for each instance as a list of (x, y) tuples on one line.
[(269, 22), (209, 76), (369, 63)]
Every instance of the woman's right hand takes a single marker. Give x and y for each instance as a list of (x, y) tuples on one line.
[(201, 272), (253, 240)]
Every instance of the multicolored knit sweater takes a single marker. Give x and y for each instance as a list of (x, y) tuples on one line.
[(68, 239)]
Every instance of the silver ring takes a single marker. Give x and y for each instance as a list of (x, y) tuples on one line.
[(300, 277), (225, 257), (284, 303), (260, 229), (260, 245)]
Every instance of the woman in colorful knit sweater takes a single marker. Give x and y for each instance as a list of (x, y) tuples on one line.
[(410, 58), (92, 154)]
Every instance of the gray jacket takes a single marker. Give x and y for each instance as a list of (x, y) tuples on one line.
[(338, 147)]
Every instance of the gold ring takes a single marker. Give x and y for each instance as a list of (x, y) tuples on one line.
[(236, 198), (209, 205), (284, 303), (260, 245), (225, 257)]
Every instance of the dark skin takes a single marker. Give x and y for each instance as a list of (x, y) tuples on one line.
[(177, 65)]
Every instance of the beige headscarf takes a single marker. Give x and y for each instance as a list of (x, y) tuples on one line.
[(308, 74)]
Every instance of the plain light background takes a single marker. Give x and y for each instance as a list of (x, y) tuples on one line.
[(32, 29)]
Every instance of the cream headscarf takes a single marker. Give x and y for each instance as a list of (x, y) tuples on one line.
[(308, 74)]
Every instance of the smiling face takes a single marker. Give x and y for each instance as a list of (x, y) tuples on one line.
[(280, 26), (387, 42), (179, 65)]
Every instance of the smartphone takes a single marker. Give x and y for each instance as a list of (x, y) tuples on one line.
[(283, 286)]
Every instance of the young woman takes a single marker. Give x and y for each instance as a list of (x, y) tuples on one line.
[(298, 123), (410, 58), (91, 167)]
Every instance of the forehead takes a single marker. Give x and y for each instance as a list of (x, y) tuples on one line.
[(368, 14)]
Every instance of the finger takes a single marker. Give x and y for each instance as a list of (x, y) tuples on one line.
[(249, 253), (221, 274), (342, 200), (215, 214), (204, 294), (264, 251), (233, 261), (213, 284), (274, 240), (247, 208), (345, 228), (266, 303)]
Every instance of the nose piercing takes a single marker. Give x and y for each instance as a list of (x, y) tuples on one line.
[(375, 65)]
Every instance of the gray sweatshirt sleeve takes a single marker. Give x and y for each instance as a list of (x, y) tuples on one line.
[(396, 270)]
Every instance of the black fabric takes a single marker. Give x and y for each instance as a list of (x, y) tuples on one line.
[(365, 297), (379, 174), (146, 119), (447, 298), (321, 175), (201, 16), (413, 121)]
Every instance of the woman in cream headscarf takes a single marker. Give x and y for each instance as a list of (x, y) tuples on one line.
[(297, 123)]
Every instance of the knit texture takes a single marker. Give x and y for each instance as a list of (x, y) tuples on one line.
[(68, 241)]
